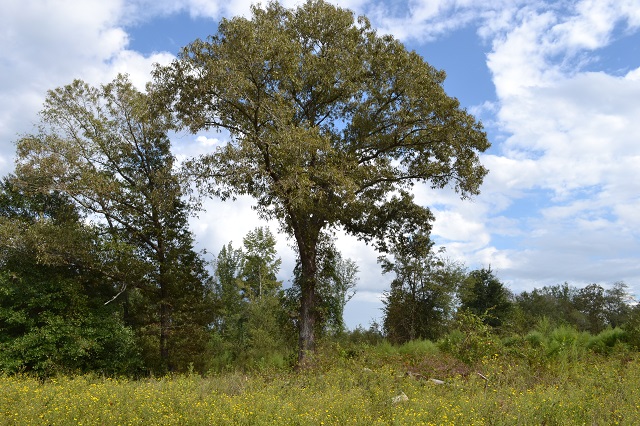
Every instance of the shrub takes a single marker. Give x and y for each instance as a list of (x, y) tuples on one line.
[(471, 339), (606, 340), (535, 339)]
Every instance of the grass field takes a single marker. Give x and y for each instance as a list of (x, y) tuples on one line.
[(359, 385)]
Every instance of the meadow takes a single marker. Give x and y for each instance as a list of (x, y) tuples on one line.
[(559, 378)]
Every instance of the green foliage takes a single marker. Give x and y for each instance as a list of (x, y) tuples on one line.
[(420, 303), (566, 343), (106, 148), (52, 313), (632, 326), (418, 348), (484, 295), (591, 308), (535, 339), (370, 336), (252, 329), (471, 338), (607, 340), (330, 125), (260, 264)]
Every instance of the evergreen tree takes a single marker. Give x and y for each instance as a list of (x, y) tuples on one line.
[(485, 296), (228, 289)]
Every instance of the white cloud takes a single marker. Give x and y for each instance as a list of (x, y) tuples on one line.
[(568, 133), (495, 259), (206, 141), (47, 45), (426, 20), (590, 28), (144, 9), (63, 37), (571, 132), (456, 226), (137, 66)]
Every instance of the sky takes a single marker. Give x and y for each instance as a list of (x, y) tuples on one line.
[(555, 83)]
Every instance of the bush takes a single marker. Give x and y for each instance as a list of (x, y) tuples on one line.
[(535, 339), (606, 341), (471, 339)]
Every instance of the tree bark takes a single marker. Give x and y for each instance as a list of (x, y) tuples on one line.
[(164, 334), (165, 303), (308, 319), (164, 311), (307, 249)]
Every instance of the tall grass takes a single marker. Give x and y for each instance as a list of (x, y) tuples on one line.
[(559, 377)]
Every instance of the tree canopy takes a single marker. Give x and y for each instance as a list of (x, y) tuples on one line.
[(106, 148), (484, 295), (55, 275), (330, 125)]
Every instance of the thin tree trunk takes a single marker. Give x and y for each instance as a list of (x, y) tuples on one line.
[(165, 319), (164, 334), (165, 303)]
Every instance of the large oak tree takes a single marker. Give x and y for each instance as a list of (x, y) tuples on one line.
[(330, 126)]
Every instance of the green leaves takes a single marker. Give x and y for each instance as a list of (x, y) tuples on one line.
[(330, 125), (485, 296), (421, 300), (324, 114), (252, 324), (53, 285), (106, 148)]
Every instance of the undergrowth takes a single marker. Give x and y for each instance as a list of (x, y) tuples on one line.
[(554, 376)]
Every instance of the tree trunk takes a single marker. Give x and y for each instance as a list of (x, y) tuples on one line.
[(164, 311), (308, 319), (308, 301), (164, 335), (165, 305)]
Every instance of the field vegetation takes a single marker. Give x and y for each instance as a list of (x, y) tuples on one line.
[(552, 375)]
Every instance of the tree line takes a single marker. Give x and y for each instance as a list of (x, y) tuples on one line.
[(76, 295), (430, 296)]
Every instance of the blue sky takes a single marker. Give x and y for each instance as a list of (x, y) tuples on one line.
[(556, 84)]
